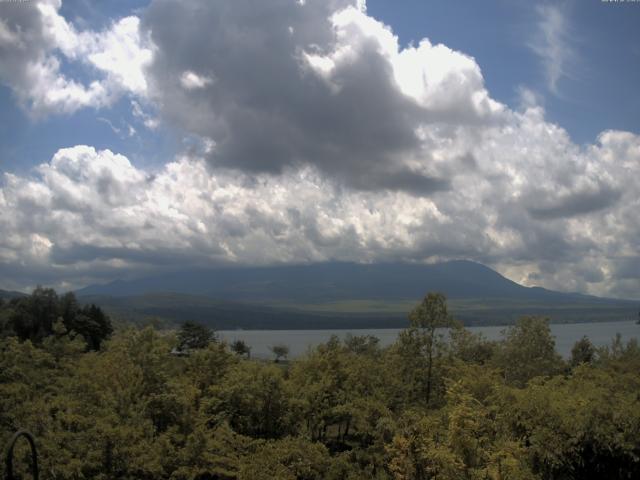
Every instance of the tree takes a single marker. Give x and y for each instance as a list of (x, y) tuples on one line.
[(253, 399), (194, 336), (241, 348), (33, 318), (287, 459), (583, 351), (362, 344), (528, 351), (68, 308), (619, 356), (584, 426), (471, 347), (339, 412), (93, 324), (280, 351), (430, 315)]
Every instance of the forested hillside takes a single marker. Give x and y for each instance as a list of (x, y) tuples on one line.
[(427, 407)]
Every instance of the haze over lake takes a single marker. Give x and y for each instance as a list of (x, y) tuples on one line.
[(299, 341)]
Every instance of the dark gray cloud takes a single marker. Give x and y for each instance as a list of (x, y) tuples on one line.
[(248, 88), (22, 43), (401, 180), (572, 205), (77, 252), (628, 267)]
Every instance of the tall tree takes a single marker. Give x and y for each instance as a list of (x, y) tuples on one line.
[(583, 351), (33, 317), (425, 319)]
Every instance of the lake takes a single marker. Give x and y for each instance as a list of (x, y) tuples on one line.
[(299, 341)]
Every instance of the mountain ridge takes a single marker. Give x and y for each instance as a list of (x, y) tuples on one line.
[(10, 294), (341, 295), (336, 281)]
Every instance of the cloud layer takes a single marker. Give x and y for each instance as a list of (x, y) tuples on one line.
[(322, 139), (284, 84), (35, 43), (91, 214)]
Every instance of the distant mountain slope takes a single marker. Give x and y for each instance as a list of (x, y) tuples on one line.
[(6, 294), (341, 295), (334, 282), (172, 308)]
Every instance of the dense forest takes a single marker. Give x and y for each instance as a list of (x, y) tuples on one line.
[(438, 404)]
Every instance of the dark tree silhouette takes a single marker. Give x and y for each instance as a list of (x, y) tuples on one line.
[(194, 336), (241, 348), (280, 351), (33, 317)]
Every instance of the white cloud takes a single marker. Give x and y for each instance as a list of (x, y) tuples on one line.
[(551, 43), (88, 214), (435, 76), (35, 39), (191, 80), (122, 53), (323, 141), (47, 91), (7, 37), (147, 119)]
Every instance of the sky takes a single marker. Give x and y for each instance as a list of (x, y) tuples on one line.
[(144, 136)]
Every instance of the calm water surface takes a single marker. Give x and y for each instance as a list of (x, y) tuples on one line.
[(300, 341)]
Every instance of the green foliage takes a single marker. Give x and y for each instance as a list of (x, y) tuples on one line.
[(471, 347), (528, 351), (620, 357), (431, 313), (288, 459), (584, 426), (252, 398), (362, 344), (583, 351), (422, 347), (34, 318), (208, 366), (438, 404), (193, 336)]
